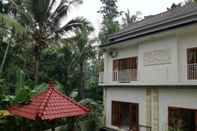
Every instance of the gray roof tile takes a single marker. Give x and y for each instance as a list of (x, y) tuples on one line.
[(170, 19)]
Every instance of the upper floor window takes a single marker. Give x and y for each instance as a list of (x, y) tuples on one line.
[(125, 70), (192, 64)]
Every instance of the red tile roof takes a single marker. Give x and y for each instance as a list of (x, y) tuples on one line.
[(48, 105)]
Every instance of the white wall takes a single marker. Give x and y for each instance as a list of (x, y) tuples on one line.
[(159, 72), (182, 97), (174, 72), (132, 95)]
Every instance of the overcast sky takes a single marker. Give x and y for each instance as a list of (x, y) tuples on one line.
[(89, 8)]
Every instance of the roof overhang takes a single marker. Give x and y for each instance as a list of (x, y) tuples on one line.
[(154, 28)]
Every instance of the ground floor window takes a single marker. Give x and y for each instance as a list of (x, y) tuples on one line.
[(182, 119), (125, 115)]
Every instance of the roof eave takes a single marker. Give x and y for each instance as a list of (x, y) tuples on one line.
[(158, 28)]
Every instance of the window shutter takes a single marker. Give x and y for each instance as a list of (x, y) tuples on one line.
[(132, 66), (192, 61), (130, 117), (116, 114), (133, 117)]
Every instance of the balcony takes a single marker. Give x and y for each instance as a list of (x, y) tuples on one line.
[(122, 76), (192, 71)]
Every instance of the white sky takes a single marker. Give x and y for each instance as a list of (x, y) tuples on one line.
[(89, 8)]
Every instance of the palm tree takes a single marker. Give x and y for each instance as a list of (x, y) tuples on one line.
[(128, 18), (174, 6), (46, 23), (83, 50)]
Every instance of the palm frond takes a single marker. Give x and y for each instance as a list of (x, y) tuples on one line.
[(60, 13), (73, 24), (52, 2), (39, 10), (63, 8)]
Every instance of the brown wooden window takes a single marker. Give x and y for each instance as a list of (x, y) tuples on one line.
[(181, 119), (125, 115), (126, 65), (192, 64)]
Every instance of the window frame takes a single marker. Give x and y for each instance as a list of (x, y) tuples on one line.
[(191, 64), (129, 63), (116, 114), (172, 109)]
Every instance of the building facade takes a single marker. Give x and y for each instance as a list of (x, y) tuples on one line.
[(150, 74)]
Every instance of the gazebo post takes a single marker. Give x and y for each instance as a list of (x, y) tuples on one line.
[(37, 126), (72, 126), (53, 125), (53, 128)]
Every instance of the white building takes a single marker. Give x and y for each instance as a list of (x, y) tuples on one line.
[(150, 73)]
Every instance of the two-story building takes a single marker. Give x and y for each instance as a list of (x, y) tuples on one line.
[(150, 73)]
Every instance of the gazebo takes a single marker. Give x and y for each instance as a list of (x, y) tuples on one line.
[(49, 105)]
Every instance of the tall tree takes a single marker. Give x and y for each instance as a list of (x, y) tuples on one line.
[(110, 24), (83, 50), (44, 21)]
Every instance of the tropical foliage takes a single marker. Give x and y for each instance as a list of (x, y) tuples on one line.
[(128, 18), (110, 24), (39, 43)]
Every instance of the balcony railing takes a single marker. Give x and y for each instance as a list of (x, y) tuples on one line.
[(122, 76), (192, 71)]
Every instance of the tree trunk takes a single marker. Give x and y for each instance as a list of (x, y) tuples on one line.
[(81, 89), (36, 71), (4, 58), (66, 81), (37, 63), (53, 128)]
